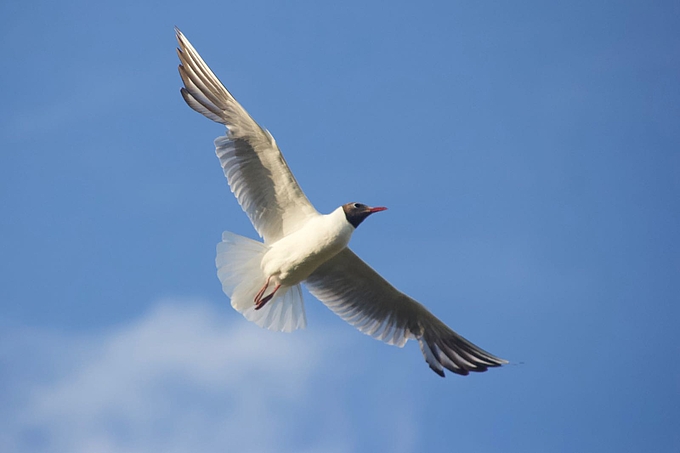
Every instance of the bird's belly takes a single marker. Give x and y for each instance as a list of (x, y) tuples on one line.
[(293, 268), (293, 258)]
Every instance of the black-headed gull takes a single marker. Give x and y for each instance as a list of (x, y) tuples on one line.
[(263, 279)]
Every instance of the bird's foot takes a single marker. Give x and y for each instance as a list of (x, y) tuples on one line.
[(260, 293), (260, 303)]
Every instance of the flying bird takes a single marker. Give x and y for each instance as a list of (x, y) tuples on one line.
[(300, 245)]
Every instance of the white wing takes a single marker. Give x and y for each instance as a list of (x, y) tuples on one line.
[(254, 166), (360, 296)]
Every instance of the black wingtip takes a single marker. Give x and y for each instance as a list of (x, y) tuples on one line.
[(445, 349)]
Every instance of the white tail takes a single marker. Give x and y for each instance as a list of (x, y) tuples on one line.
[(238, 268)]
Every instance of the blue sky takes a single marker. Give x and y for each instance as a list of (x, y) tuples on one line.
[(530, 158)]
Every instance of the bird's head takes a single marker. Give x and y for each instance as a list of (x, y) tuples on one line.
[(357, 212)]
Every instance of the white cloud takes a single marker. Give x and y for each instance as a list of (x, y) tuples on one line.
[(183, 378)]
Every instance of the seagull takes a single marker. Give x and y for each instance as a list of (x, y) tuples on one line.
[(300, 245)]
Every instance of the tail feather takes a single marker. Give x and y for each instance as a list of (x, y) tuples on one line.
[(238, 268)]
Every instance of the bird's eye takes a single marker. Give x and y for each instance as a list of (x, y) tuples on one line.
[(357, 205)]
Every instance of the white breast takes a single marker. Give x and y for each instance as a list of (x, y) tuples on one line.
[(293, 258)]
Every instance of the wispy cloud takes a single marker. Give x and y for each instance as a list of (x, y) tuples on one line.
[(182, 378)]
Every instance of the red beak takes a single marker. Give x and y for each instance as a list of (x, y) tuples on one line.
[(377, 209)]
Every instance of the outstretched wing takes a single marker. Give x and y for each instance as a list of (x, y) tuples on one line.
[(360, 296), (252, 162)]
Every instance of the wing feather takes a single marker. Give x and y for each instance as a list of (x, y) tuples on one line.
[(257, 173), (360, 296)]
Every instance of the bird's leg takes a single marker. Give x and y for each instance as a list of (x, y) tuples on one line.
[(264, 300), (260, 293)]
